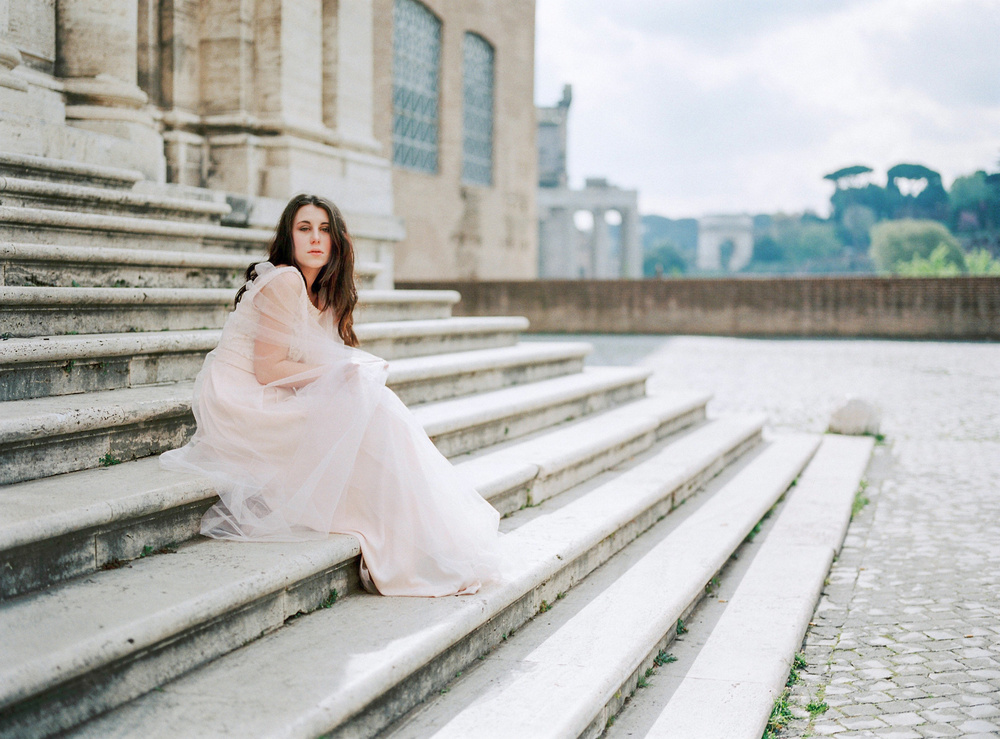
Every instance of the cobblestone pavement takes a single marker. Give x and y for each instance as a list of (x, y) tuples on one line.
[(905, 641)]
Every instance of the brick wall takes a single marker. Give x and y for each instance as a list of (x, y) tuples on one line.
[(893, 307)]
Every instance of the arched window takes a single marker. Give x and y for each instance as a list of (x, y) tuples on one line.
[(416, 76), (477, 111)]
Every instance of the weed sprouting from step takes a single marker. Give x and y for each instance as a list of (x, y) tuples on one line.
[(330, 599), (681, 628), (561, 595), (663, 658), (879, 438), (781, 714), (120, 283), (815, 708), (6, 335), (108, 460), (545, 607), (610, 722), (754, 531), (68, 367), (148, 551), (712, 585), (860, 499), (642, 683), (798, 663)]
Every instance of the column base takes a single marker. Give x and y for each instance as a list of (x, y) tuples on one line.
[(10, 58)]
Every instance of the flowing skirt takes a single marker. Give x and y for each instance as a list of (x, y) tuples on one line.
[(340, 455)]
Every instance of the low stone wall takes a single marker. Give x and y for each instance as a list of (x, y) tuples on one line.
[(888, 307)]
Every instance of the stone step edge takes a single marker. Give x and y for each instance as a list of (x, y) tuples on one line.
[(744, 665), (74, 221), (556, 564), (458, 414), (630, 428), (74, 170), (124, 198), (50, 297), (111, 408), (437, 327), (489, 476), (60, 348), (567, 689), (17, 251)]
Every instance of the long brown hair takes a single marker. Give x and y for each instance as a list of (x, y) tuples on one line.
[(334, 285)]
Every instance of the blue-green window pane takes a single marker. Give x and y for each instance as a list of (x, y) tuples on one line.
[(477, 124), (415, 86)]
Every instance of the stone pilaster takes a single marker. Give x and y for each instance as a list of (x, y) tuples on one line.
[(354, 111), (289, 68), (97, 57), (10, 56)]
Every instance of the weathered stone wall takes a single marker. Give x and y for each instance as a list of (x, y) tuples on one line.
[(456, 230), (892, 307)]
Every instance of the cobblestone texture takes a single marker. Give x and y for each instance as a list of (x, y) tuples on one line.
[(905, 641)]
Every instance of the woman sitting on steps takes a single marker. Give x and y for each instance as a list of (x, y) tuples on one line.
[(302, 438)]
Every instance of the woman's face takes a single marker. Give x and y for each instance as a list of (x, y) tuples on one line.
[(311, 238)]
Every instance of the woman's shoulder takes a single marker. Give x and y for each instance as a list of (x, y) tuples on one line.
[(285, 277)]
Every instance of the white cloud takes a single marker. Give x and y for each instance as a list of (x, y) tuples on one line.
[(735, 106)]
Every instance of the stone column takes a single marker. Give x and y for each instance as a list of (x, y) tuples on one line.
[(600, 247), (97, 57), (97, 47), (353, 115), (631, 245), (10, 57)]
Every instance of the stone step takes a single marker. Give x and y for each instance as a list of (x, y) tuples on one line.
[(391, 340), (16, 192), (166, 614), (43, 226), (466, 424), (443, 376), (60, 527), (560, 689), (47, 311), (44, 265), (75, 432), (742, 668), (42, 366), (62, 170)]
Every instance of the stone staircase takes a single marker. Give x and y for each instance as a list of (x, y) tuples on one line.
[(117, 619)]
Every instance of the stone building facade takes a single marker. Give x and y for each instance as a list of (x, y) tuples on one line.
[(264, 98), (467, 196)]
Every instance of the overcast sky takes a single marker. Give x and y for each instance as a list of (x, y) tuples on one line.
[(725, 106)]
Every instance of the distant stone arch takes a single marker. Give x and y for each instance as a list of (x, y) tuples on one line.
[(716, 230)]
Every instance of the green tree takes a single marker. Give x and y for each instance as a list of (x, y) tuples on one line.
[(894, 242), (981, 262), (848, 177), (938, 264), (975, 203), (663, 259), (810, 241), (930, 202)]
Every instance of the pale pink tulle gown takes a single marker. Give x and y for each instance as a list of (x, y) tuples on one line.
[(341, 454)]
